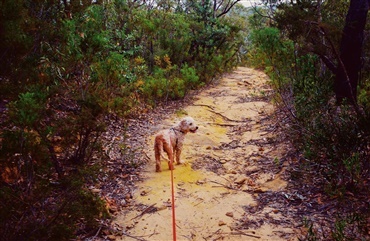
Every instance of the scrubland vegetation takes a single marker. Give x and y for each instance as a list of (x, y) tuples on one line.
[(68, 65)]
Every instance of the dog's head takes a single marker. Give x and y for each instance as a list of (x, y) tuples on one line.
[(188, 124)]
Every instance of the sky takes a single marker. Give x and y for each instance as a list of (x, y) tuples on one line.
[(249, 3)]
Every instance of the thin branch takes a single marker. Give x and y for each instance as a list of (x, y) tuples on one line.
[(134, 237), (225, 117), (146, 210), (227, 8), (208, 106), (245, 234), (255, 9), (225, 186)]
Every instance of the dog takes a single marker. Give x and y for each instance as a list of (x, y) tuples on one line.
[(171, 141)]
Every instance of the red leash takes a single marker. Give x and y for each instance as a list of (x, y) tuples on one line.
[(173, 206)]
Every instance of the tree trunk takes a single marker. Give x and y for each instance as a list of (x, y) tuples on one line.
[(349, 64)]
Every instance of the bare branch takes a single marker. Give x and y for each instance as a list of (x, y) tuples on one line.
[(227, 8)]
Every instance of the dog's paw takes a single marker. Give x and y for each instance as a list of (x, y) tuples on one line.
[(184, 163)]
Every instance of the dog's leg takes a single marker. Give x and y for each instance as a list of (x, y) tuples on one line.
[(158, 147), (169, 150), (178, 153), (178, 161)]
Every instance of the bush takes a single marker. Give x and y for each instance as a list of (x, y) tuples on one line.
[(53, 211), (65, 68), (190, 76), (155, 90), (178, 88), (43, 143)]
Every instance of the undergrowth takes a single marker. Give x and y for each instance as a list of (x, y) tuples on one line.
[(69, 66), (333, 139)]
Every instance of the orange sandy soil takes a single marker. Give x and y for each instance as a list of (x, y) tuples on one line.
[(227, 166)]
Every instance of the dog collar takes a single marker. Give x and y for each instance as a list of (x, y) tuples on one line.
[(177, 130)]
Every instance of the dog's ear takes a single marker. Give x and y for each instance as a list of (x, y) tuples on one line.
[(183, 124)]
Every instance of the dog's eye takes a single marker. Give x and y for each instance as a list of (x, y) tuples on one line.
[(191, 124)]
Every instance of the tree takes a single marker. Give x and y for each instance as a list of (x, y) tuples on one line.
[(311, 25), (349, 66)]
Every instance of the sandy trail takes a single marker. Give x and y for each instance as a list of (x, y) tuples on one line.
[(223, 175)]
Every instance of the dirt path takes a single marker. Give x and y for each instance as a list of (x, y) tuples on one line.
[(233, 162)]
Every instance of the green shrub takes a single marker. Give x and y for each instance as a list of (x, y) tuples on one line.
[(190, 76), (27, 110), (344, 227), (154, 89), (177, 88), (163, 89), (54, 211), (364, 95), (64, 70)]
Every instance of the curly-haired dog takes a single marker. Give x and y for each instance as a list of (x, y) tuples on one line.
[(171, 141)]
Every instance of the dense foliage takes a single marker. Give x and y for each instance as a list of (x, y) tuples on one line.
[(66, 65), (300, 47)]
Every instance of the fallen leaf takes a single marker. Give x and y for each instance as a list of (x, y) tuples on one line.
[(241, 181), (230, 214), (221, 223), (111, 237)]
